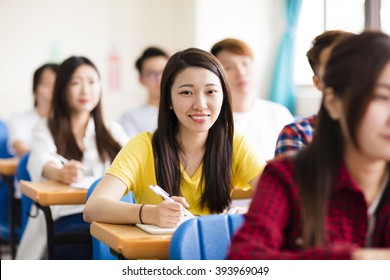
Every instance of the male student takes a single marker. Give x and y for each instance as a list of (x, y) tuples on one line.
[(150, 66), (299, 134), (260, 120)]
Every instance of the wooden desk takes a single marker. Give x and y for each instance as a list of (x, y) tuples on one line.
[(240, 194), (45, 194), (8, 168), (53, 193), (131, 242)]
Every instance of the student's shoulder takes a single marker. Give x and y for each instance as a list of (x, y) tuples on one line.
[(303, 123), (243, 144), (273, 111), (283, 166), (144, 138), (238, 137)]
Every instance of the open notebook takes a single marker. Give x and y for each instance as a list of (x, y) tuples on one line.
[(152, 229), (85, 183)]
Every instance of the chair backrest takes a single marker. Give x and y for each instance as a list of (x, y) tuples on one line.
[(101, 251), (204, 238), (4, 153), (26, 202), (4, 194)]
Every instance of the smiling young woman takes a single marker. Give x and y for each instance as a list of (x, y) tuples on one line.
[(194, 154)]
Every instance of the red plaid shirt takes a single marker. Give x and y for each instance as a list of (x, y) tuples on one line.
[(272, 228)]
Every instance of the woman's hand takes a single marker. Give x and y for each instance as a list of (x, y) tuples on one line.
[(371, 254), (72, 172), (167, 214)]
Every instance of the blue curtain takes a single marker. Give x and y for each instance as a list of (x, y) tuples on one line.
[(282, 86)]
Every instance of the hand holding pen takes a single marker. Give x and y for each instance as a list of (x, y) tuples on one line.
[(71, 172), (159, 191)]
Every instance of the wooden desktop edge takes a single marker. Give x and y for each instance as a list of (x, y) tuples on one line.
[(241, 194), (131, 242), (8, 166), (53, 193)]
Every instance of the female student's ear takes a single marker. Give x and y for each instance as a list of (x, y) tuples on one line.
[(332, 103)]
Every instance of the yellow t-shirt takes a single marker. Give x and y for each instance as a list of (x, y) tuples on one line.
[(134, 165)]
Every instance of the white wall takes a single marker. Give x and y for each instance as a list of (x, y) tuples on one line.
[(33, 32), (259, 23)]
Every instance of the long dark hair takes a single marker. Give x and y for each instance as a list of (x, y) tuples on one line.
[(59, 119), (217, 160), (352, 71)]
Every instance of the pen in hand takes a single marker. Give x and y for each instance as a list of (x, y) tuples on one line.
[(159, 191), (72, 171)]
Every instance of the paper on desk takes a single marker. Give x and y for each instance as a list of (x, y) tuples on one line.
[(85, 183), (151, 229)]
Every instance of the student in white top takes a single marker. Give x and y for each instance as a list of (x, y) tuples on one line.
[(150, 66), (259, 120), (75, 130), (21, 125)]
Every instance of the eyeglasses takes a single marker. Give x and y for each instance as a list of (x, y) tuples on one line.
[(152, 75)]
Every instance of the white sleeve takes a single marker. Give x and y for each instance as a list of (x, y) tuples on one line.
[(118, 132), (43, 151)]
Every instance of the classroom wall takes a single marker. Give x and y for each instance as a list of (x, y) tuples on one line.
[(113, 33), (260, 23), (33, 32)]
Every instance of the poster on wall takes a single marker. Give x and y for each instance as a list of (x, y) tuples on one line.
[(55, 53), (114, 70)]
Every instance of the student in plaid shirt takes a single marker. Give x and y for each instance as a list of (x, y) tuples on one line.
[(297, 135), (332, 199)]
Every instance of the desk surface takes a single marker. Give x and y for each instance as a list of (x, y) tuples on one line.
[(131, 242), (240, 194), (53, 193), (8, 166)]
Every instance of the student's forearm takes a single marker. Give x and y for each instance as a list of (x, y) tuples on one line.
[(118, 212), (20, 148), (51, 172)]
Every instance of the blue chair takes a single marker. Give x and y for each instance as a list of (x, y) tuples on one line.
[(101, 251), (5, 195), (4, 153), (204, 238), (25, 202)]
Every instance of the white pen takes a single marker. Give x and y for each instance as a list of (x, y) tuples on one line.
[(159, 191)]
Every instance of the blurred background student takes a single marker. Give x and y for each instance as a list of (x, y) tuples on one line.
[(73, 142), (260, 120), (194, 154), (21, 125), (299, 134), (150, 66), (332, 199)]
